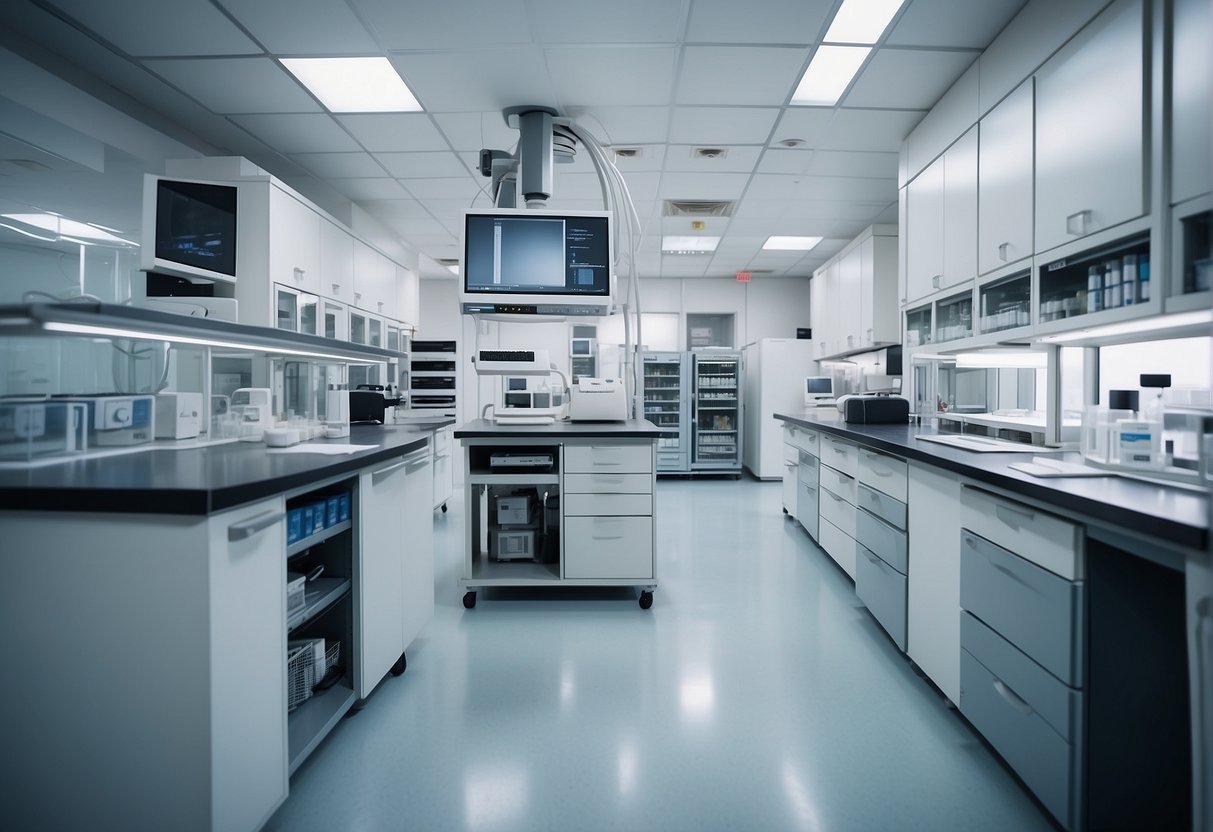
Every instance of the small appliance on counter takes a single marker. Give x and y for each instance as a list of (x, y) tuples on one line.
[(178, 415), (251, 407), (337, 411), (874, 409), (598, 400), (369, 403), (117, 419)]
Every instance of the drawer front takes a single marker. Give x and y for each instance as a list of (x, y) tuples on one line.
[(884, 473), (608, 547), (1046, 540), (840, 455), (838, 545), (883, 590), (841, 484), (442, 442), (671, 462), (808, 469), (806, 507), (591, 505), (608, 484), (889, 509), (804, 439), (608, 458), (1047, 763), (838, 511), (791, 454), (884, 541), (1035, 610)]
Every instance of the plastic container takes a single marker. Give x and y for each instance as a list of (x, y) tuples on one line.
[(1139, 443)]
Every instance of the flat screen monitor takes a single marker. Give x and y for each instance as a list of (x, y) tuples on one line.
[(818, 389), (189, 229), (525, 261)]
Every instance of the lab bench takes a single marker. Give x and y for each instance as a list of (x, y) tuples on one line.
[(1061, 616), (588, 494), (149, 595)]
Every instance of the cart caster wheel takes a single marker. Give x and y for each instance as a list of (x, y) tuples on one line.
[(785, 511), (399, 666), (469, 600), (444, 508), (646, 600)]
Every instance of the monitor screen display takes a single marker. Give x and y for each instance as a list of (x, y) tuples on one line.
[(819, 386), (196, 225), (537, 253)]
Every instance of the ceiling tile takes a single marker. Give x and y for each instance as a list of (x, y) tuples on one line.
[(474, 131), (712, 226), (612, 75), (445, 188), (624, 21), (155, 27), (624, 125), (772, 21), (485, 79), (737, 245), (739, 74), (869, 129), (767, 227), (703, 185), (959, 23), (847, 189), (853, 163), (576, 186), (298, 133), (651, 158), (340, 165), (237, 85), (359, 189), (644, 188), (754, 207), (736, 159), (907, 78), (387, 132), (438, 25), (812, 209), (779, 160), (724, 125), (448, 209), (396, 209), (422, 165), (772, 186), (804, 123), (303, 27), (684, 265)]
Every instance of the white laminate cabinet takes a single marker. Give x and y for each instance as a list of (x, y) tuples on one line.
[(374, 281), (1090, 128), (1004, 194), (960, 211), (819, 309), (296, 311), (408, 296), (336, 263), (418, 542), (1191, 93), (791, 473), (334, 319), (850, 276), (853, 297), (924, 231), (294, 243), (444, 466), (933, 589), (879, 318), (379, 610)]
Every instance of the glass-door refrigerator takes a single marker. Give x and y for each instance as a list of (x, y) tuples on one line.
[(667, 405), (716, 412)]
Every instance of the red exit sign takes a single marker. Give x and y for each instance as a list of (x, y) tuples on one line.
[(744, 277)]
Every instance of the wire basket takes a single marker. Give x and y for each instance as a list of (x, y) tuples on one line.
[(304, 673)]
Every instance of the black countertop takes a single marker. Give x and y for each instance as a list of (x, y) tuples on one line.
[(1174, 515), (198, 481), (631, 429)]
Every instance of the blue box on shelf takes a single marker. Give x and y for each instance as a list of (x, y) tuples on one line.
[(332, 516), (319, 511), (305, 522), (294, 526), (343, 511)]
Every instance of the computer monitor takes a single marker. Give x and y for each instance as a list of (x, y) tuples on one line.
[(818, 390), (533, 262), (189, 229)]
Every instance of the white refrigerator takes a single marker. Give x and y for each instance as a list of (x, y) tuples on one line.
[(774, 378)]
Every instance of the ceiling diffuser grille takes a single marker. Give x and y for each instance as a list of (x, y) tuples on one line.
[(698, 208)]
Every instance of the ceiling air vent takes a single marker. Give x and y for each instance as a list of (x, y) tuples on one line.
[(698, 208), (628, 152), (709, 153)]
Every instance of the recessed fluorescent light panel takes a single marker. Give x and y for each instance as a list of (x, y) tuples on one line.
[(790, 243), (671, 244), (354, 85), (829, 74), (862, 21)]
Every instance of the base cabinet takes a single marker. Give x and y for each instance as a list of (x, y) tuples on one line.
[(933, 588)]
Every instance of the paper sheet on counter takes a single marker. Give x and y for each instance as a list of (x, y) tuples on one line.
[(330, 450)]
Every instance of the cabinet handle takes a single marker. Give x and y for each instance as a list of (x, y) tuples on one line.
[(336, 288), (1012, 576), (248, 528), (1076, 223), (1002, 251), (936, 280), (383, 472), (835, 496), (605, 479), (1010, 516), (1012, 698), (357, 296), (299, 273)]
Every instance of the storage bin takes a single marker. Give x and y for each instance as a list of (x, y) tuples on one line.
[(319, 515), (343, 507), (307, 662), (294, 526), (333, 511), (295, 583)]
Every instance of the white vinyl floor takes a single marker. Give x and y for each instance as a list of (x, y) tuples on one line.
[(756, 694)]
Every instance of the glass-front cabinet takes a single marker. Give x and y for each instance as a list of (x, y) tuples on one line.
[(954, 318), (297, 311), (334, 319), (1194, 251), (1101, 279), (1006, 304), (918, 326)]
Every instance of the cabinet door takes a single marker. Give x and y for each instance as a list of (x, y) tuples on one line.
[(1192, 90), (248, 663), (924, 226), (382, 495), (334, 320), (418, 510), (374, 281), (867, 292), (960, 211), (831, 330), (850, 273), (336, 262), (1090, 171), (882, 314), (286, 302), (933, 590), (1004, 195), (408, 292), (294, 242), (819, 312)]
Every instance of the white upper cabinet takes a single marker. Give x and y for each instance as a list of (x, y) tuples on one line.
[(819, 311), (1004, 195), (879, 321), (853, 297), (408, 294), (1090, 166), (294, 243), (850, 272), (336, 263), (960, 211), (374, 281), (924, 232), (1192, 91)]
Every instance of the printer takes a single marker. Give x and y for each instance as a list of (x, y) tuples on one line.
[(598, 400)]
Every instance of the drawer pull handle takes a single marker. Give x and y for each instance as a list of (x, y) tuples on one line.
[(1013, 576), (1012, 698), (1013, 517), (1002, 251), (383, 472), (248, 528), (607, 537), (836, 497)]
